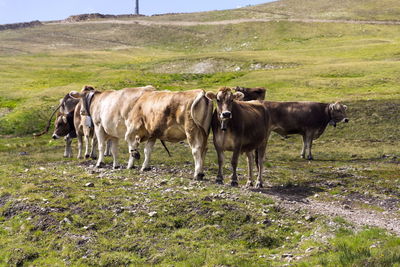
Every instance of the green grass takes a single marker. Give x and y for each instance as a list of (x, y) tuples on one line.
[(48, 217)]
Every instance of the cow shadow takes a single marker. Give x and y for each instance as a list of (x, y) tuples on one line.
[(290, 192)]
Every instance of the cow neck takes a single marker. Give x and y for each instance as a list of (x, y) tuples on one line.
[(88, 101), (70, 121), (331, 121)]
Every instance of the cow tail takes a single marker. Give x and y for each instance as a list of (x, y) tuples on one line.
[(166, 148), (201, 117), (49, 122)]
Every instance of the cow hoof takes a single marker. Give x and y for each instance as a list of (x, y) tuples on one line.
[(219, 181), (79, 157), (200, 176), (116, 167), (259, 185), (130, 167), (234, 183), (100, 165), (93, 157), (249, 184), (87, 156), (145, 169), (310, 158)]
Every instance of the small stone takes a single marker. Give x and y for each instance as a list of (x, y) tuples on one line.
[(347, 207), (23, 153), (42, 168), (65, 221), (287, 255), (152, 213), (90, 184), (92, 197)]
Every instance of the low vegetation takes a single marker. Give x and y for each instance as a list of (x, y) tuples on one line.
[(56, 211)]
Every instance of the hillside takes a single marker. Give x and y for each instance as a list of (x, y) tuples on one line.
[(342, 209)]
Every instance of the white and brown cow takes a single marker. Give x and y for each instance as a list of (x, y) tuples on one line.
[(171, 116), (241, 127), (309, 119)]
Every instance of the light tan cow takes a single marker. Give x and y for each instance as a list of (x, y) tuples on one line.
[(170, 116), (110, 113)]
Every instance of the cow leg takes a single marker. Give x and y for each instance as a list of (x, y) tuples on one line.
[(198, 144), (101, 139), (234, 162), (303, 151), (79, 137), (114, 152), (108, 149), (93, 154), (68, 149), (220, 155), (87, 143), (309, 145), (250, 159), (147, 153), (260, 159)]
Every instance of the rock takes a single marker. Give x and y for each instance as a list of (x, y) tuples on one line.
[(152, 213), (90, 184), (347, 207), (287, 255), (23, 153), (65, 221)]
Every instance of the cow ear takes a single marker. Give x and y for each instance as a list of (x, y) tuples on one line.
[(238, 96), (64, 118), (345, 107), (75, 94), (210, 95), (337, 106)]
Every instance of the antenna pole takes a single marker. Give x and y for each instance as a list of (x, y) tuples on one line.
[(137, 7)]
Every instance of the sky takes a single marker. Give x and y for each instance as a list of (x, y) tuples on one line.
[(12, 11)]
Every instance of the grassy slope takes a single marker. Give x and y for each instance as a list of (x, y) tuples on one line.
[(46, 212)]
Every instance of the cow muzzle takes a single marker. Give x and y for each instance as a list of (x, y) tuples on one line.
[(346, 120), (54, 136), (226, 115)]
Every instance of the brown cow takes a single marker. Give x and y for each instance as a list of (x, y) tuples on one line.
[(239, 126), (308, 119), (171, 116), (251, 93)]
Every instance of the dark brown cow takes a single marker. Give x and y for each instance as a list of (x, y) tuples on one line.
[(251, 93), (241, 127), (308, 119)]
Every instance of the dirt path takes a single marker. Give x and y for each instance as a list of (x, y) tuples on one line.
[(225, 22)]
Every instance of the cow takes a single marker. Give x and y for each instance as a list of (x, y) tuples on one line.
[(111, 113), (63, 124), (241, 127), (251, 93), (68, 124), (173, 117), (309, 119)]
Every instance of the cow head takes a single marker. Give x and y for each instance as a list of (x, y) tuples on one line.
[(61, 126), (251, 93), (224, 99), (337, 113)]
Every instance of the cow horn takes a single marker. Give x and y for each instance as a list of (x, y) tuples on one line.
[(49, 122)]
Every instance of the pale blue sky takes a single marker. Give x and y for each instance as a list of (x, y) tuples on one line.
[(12, 11)]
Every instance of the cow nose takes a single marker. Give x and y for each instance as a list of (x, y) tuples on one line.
[(55, 136), (226, 115), (346, 120)]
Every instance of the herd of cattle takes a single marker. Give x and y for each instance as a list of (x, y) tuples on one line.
[(241, 123)]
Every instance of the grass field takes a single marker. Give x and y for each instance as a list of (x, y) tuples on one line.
[(49, 217)]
